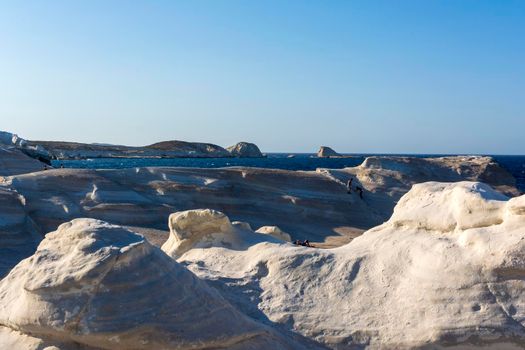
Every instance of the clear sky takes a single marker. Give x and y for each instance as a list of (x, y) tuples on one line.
[(417, 76)]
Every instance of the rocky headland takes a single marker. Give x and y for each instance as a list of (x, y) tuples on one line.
[(46, 151)]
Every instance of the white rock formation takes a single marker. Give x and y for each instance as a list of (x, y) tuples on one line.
[(276, 232), (243, 225), (447, 269), (93, 285), (19, 236), (9, 139), (202, 228), (306, 204), (245, 150), (327, 152), (14, 162), (34, 151)]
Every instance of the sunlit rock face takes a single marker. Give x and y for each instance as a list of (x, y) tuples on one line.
[(326, 152), (203, 228), (276, 232), (245, 150), (305, 204), (100, 286), (446, 270), (13, 141)]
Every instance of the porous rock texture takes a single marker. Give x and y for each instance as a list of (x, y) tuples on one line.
[(93, 285), (447, 270)]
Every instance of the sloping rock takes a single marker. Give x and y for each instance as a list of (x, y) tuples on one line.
[(386, 179), (447, 270), (276, 232), (245, 150), (15, 162), (307, 204), (101, 286), (19, 236), (326, 152), (34, 151)]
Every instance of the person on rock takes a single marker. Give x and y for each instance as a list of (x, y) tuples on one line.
[(349, 185), (305, 243)]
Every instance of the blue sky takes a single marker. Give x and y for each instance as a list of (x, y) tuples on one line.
[(361, 76)]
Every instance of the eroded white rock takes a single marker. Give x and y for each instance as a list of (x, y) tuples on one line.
[(447, 269), (101, 286), (203, 228), (276, 232)]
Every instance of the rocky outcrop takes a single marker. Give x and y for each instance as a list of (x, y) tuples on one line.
[(327, 152), (190, 149), (13, 141), (166, 149), (93, 285), (204, 228), (276, 232), (386, 179), (19, 235), (306, 204), (447, 270), (245, 150), (14, 162)]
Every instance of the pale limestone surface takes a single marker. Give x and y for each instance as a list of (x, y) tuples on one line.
[(305, 204), (385, 179), (14, 162), (92, 285), (276, 232), (10, 141), (19, 235), (446, 270), (202, 228)]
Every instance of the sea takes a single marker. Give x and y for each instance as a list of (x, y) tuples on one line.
[(288, 161)]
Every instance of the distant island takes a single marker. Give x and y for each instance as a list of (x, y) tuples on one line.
[(61, 150)]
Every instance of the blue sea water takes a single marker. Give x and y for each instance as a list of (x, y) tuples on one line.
[(301, 161)]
